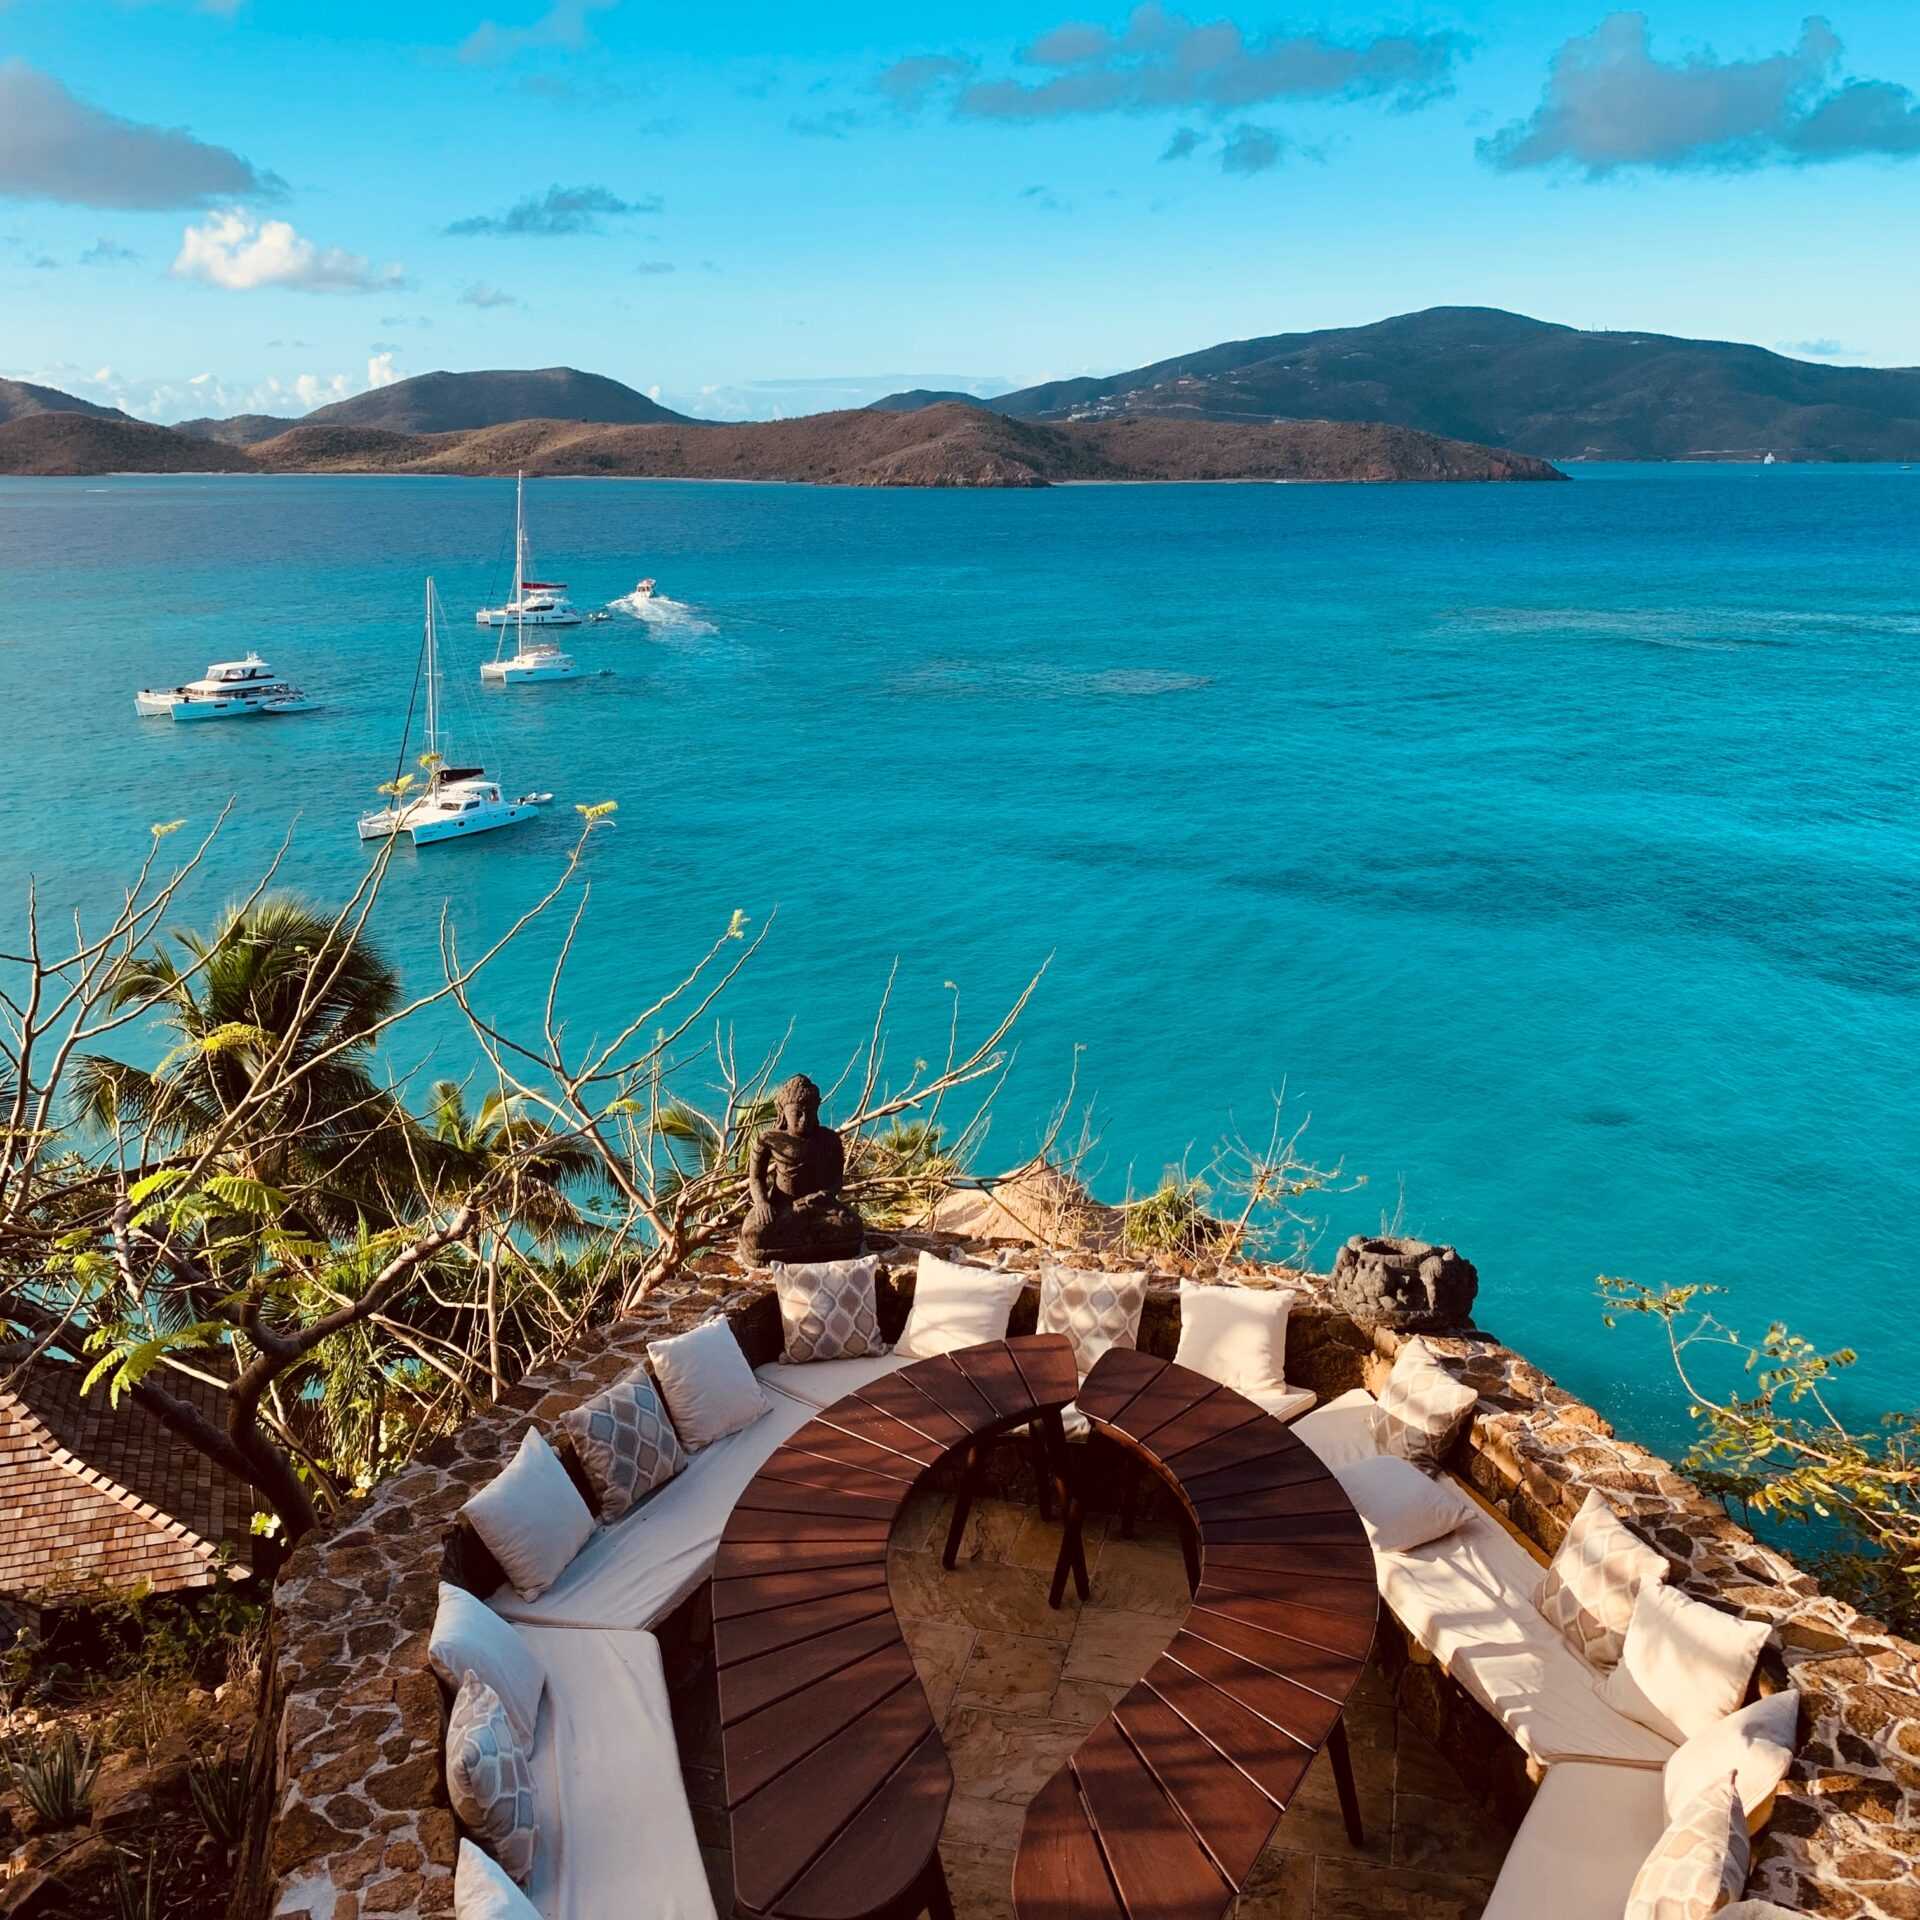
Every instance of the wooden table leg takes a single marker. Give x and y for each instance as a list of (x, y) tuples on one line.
[(1129, 1494), (962, 1506), (1056, 1432), (1043, 1467), (1070, 1558), (1190, 1547), (939, 1902), (1342, 1760)]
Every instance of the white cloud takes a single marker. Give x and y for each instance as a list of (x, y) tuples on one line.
[(239, 251), (170, 397), (564, 25)]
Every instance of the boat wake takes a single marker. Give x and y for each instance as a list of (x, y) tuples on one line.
[(660, 611)]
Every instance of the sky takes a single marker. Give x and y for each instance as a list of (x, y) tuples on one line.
[(218, 206)]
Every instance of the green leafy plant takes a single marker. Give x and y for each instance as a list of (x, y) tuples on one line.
[(1780, 1451), (218, 1784), (136, 1896), (53, 1773), (1173, 1218)]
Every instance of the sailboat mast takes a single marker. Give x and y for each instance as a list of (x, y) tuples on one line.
[(520, 562), (433, 680)]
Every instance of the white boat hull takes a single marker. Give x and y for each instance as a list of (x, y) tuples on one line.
[(155, 706), (424, 832), (511, 673), (509, 617), (186, 710)]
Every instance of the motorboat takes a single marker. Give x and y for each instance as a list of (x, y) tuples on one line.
[(228, 690), (456, 802), (643, 590), (534, 603)]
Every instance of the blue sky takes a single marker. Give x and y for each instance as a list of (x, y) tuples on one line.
[(221, 205)]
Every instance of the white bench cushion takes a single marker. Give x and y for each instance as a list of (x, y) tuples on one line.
[(616, 1836), (1341, 1432), (821, 1382), (1468, 1599), (638, 1570), (1584, 1839)]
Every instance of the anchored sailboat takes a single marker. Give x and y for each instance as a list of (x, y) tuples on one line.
[(535, 603), (457, 802)]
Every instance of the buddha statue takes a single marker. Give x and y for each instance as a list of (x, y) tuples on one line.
[(794, 1174)]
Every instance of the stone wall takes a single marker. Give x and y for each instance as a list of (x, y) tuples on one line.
[(352, 1817)]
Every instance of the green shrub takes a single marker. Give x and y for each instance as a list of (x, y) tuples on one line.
[(53, 1774), (219, 1787)]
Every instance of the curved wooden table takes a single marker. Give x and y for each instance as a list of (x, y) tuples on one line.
[(837, 1781), (1167, 1804)]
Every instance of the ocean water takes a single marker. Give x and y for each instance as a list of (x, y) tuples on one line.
[(1554, 846)]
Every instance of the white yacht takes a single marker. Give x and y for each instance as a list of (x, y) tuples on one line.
[(535, 603), (227, 690), (456, 802)]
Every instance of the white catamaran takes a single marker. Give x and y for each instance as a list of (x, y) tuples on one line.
[(457, 802), (535, 603), (228, 690)]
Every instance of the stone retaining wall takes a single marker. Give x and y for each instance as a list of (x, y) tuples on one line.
[(351, 1814)]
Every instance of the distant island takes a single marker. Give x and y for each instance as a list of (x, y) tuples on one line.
[(945, 445), (1452, 393)]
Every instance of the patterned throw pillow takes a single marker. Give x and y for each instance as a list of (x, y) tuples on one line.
[(828, 1310), (1096, 1311), (1423, 1409), (1588, 1592), (625, 1442), (1699, 1866), (489, 1780)]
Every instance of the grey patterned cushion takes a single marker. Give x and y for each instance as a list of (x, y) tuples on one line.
[(1096, 1311), (828, 1310), (489, 1780), (1699, 1866), (1423, 1409), (1588, 1592), (625, 1442)]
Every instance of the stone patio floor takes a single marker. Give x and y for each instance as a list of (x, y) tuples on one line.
[(1015, 1687)]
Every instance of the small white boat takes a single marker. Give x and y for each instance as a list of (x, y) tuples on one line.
[(457, 802), (229, 689), (535, 603), (642, 591)]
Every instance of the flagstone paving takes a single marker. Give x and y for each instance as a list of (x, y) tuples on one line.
[(1015, 1686)]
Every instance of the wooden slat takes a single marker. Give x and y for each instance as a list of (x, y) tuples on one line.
[(1046, 1363), (801, 1467), (750, 1636), (1231, 1816), (1302, 1715), (1319, 1669), (780, 1831), (895, 1393), (1177, 1391), (1216, 1418), (761, 1746), (797, 1529), (1322, 1495), (1330, 1561), (737, 1559), (759, 1592), (890, 1840), (854, 1416), (1275, 1763), (783, 1496), (1240, 1448), (1114, 1380), (1156, 1863), (750, 1685), (1319, 1529), (832, 1443), (1348, 1631), (1059, 1872), (949, 1389), (995, 1372), (1281, 1462)]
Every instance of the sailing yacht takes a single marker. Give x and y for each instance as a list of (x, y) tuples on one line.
[(535, 603), (457, 802), (227, 690)]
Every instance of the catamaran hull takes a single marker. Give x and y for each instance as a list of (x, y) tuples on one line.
[(217, 709), (503, 673), (508, 617), (424, 833)]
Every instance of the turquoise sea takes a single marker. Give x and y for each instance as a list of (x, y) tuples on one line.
[(1555, 846)]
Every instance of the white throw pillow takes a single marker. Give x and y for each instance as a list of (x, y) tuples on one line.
[(1589, 1591), (482, 1891), (1755, 1745), (1423, 1408), (530, 1517), (829, 1310), (1685, 1666), (1236, 1335), (1398, 1505), (956, 1306), (1096, 1311), (469, 1637), (709, 1388), (1698, 1867), (489, 1779)]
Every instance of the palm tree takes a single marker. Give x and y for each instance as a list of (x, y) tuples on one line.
[(273, 1016)]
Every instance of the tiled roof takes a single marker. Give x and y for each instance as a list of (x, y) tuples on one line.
[(94, 1493)]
